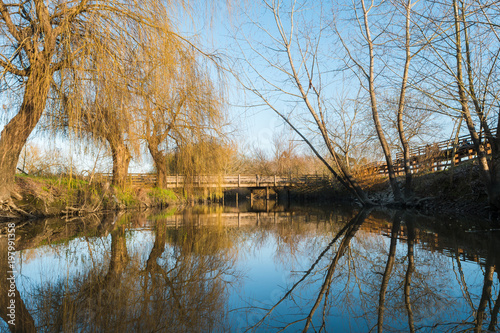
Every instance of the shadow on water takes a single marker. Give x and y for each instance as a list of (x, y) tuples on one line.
[(217, 269)]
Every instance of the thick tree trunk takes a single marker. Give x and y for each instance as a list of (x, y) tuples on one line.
[(160, 165), (16, 132), (385, 146), (121, 161), (161, 173), (489, 170)]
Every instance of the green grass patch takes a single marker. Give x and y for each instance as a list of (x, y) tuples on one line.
[(162, 195), (126, 196)]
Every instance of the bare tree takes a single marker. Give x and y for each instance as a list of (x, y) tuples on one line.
[(351, 130), (368, 74), (292, 74), (461, 77)]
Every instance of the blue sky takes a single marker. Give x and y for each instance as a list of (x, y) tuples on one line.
[(215, 27)]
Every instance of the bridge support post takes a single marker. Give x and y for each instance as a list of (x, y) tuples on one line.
[(251, 198), (267, 193), (288, 197), (236, 199)]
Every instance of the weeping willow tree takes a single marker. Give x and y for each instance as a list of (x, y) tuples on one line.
[(47, 49), (180, 102), (107, 106), (206, 156), (203, 159), (110, 120)]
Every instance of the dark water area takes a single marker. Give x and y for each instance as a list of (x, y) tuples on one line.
[(228, 269)]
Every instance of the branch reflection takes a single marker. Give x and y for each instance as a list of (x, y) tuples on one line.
[(211, 270)]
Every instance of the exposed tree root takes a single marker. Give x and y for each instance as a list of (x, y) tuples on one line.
[(9, 209)]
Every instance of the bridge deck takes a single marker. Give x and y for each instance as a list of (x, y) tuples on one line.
[(225, 181), (438, 156)]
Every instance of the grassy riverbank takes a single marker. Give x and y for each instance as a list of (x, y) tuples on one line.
[(51, 196)]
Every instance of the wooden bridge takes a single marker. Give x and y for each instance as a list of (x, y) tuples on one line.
[(431, 157), (225, 181)]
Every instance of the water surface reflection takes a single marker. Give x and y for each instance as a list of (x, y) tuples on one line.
[(222, 270)]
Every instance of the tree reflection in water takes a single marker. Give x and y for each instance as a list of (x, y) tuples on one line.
[(23, 321), (179, 287), (374, 282), (183, 273)]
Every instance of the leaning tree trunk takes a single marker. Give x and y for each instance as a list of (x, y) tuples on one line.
[(402, 137), (388, 271), (160, 164), (489, 177), (375, 115), (490, 171), (16, 132), (121, 160), (345, 177)]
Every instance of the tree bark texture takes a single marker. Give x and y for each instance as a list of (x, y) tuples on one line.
[(121, 160), (16, 132)]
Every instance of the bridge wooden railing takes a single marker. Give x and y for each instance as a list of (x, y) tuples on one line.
[(432, 157), (223, 181)]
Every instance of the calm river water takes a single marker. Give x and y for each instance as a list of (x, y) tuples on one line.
[(223, 269)]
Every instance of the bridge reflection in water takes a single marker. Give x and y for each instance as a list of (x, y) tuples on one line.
[(213, 269)]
